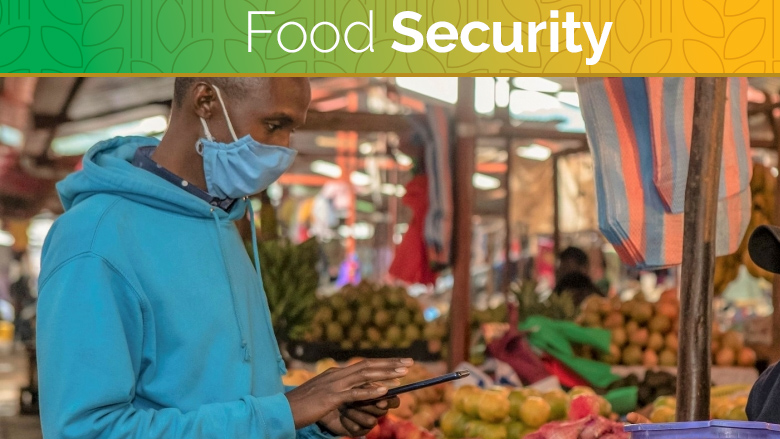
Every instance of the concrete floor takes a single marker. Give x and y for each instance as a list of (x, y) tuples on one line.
[(13, 376)]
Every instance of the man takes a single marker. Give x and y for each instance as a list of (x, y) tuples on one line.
[(152, 322), (572, 275), (764, 249)]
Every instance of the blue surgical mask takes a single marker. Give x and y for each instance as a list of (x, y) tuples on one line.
[(243, 167)]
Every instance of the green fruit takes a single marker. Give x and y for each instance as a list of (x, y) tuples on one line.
[(403, 317), (419, 318), (345, 317), (334, 332), (324, 315), (395, 298), (382, 319), (373, 335), (394, 335), (355, 333), (377, 302), (346, 345), (316, 332), (338, 302), (365, 344), (364, 315), (385, 344), (412, 333)]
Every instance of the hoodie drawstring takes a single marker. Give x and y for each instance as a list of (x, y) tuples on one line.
[(244, 344), (269, 324)]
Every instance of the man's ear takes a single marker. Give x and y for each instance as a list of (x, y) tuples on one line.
[(203, 99)]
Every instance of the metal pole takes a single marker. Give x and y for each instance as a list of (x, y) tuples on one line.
[(510, 226), (701, 199), (463, 201), (556, 209)]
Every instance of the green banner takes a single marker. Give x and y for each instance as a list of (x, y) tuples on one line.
[(395, 37)]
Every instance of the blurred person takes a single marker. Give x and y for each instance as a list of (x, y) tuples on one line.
[(152, 322), (572, 276)]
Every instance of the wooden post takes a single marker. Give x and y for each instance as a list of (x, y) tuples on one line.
[(701, 198), (463, 202), (510, 229), (556, 209)]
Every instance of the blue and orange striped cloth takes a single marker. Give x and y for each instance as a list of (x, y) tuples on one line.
[(640, 154)]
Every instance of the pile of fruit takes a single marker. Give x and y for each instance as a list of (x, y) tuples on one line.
[(726, 402), (392, 427), (369, 316), (590, 427), (762, 188), (290, 280), (425, 406), (645, 333), (503, 413), (556, 306)]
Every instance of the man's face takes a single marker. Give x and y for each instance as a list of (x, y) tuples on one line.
[(270, 111)]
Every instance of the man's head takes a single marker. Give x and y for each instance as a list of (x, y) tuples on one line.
[(268, 109), (573, 260)]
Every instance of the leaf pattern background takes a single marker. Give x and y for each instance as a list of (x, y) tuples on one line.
[(744, 38), (102, 25), (14, 42), (171, 25), (109, 61), (66, 11), (629, 25), (701, 57), (61, 47), (675, 37)]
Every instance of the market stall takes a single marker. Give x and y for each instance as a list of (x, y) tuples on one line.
[(354, 265)]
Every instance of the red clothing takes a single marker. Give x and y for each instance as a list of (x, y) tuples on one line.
[(410, 263)]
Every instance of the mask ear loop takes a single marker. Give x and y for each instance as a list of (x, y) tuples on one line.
[(199, 144), (225, 112)]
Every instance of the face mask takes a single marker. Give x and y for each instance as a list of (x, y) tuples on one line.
[(243, 167)]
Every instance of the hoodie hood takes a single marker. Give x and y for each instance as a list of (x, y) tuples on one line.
[(107, 168)]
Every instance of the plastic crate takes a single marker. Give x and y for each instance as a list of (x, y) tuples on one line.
[(705, 430)]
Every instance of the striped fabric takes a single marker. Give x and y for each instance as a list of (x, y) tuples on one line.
[(671, 120), (633, 215)]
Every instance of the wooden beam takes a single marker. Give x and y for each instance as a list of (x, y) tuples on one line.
[(460, 338), (698, 264), (359, 122)]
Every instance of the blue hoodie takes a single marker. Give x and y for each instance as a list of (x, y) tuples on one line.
[(152, 321)]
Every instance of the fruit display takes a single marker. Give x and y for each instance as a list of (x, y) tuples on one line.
[(290, 280), (762, 188), (556, 306), (589, 427), (503, 413), (425, 406), (726, 403), (645, 333), (367, 316), (392, 427)]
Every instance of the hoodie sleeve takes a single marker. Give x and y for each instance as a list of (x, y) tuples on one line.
[(90, 335)]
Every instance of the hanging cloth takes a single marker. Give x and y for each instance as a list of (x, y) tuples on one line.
[(410, 263), (632, 213)]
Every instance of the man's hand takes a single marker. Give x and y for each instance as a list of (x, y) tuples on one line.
[(359, 420), (334, 390)]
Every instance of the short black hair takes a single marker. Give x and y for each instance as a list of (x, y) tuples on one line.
[(576, 256), (230, 87)]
